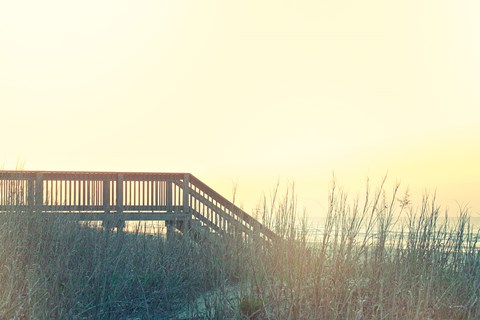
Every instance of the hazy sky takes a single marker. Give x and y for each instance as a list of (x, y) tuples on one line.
[(248, 91)]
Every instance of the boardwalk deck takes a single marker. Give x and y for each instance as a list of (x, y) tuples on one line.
[(177, 198)]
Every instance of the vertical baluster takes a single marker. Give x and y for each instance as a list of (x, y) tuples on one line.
[(210, 211), (177, 200), (54, 193), (147, 190), (155, 193), (135, 193), (128, 193), (60, 193), (88, 191), (5, 186), (55, 196), (113, 192), (132, 193), (66, 193), (186, 193), (83, 198), (95, 193), (205, 214), (48, 193), (130, 190), (132, 185), (99, 195), (162, 193), (75, 198), (82, 193), (70, 194), (140, 193), (150, 188)]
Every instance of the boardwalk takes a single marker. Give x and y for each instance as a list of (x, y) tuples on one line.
[(180, 199)]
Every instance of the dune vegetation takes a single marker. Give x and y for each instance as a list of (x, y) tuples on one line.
[(376, 257)]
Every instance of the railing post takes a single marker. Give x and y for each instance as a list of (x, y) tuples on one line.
[(120, 193), (106, 195), (168, 195), (31, 193), (39, 192), (186, 193)]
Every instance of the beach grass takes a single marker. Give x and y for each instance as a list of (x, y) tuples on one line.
[(378, 256)]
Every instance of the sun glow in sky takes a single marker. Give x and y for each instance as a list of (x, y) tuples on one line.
[(248, 92)]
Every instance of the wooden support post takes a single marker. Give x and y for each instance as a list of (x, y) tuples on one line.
[(169, 195), (106, 196), (31, 194), (120, 223), (170, 229), (120, 193), (39, 192), (186, 194)]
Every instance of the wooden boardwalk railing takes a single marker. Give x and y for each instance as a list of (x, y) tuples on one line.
[(178, 198)]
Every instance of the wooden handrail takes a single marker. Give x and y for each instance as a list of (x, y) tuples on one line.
[(235, 212)]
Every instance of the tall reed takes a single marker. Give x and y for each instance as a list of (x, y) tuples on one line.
[(378, 256)]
